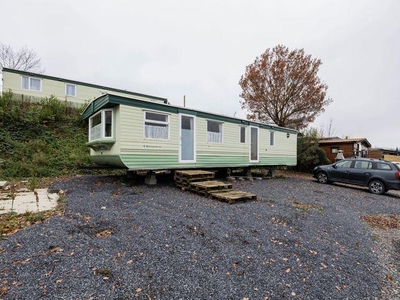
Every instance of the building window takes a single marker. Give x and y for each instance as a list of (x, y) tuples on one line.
[(242, 134), (156, 126), (70, 90), (272, 138), (334, 150), (101, 125), (214, 132), (31, 83)]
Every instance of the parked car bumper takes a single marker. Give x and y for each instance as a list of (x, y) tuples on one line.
[(393, 185)]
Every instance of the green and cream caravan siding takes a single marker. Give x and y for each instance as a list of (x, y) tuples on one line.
[(38, 86), (143, 135)]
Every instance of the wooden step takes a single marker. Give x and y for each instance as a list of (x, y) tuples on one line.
[(190, 180), (201, 182), (192, 175), (205, 187), (193, 172), (210, 185), (233, 196), (183, 178)]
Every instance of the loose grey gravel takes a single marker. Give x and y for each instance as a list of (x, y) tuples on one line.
[(298, 240)]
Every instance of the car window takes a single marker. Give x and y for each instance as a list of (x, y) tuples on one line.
[(343, 164), (363, 164), (383, 166)]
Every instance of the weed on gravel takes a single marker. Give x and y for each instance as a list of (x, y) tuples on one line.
[(383, 221)]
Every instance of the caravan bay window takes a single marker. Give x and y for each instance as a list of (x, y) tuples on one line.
[(100, 125)]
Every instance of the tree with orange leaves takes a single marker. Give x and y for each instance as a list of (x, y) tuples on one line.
[(283, 87)]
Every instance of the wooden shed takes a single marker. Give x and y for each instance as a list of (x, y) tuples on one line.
[(351, 147)]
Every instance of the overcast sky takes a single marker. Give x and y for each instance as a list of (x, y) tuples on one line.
[(201, 48)]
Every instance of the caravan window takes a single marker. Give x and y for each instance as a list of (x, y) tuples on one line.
[(70, 90), (156, 126), (272, 138), (214, 132), (107, 123), (100, 125), (31, 83), (242, 134)]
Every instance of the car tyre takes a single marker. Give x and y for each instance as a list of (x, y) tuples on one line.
[(322, 177), (377, 187)]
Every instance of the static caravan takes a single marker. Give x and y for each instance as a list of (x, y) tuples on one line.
[(143, 135), (35, 87)]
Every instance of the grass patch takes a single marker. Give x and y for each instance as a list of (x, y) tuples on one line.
[(11, 223), (383, 221)]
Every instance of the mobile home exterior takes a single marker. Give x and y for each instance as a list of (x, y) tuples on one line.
[(141, 135), (35, 87)]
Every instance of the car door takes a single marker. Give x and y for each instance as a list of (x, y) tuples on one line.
[(361, 172), (341, 170)]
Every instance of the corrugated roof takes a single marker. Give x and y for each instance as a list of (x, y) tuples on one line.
[(339, 141)]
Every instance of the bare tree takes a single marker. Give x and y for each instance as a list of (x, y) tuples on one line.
[(282, 87), (25, 59), (330, 129)]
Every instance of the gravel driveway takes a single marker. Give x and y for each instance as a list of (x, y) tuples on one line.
[(299, 240)]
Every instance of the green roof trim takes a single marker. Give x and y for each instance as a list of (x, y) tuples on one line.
[(110, 100), (165, 100)]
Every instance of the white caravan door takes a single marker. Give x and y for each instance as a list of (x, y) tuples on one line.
[(253, 144), (187, 138)]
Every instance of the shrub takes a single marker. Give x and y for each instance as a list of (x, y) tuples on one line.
[(40, 139), (309, 154)]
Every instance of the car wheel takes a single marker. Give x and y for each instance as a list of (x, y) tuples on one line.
[(377, 187), (322, 177)]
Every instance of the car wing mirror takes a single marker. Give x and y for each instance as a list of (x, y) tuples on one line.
[(334, 166)]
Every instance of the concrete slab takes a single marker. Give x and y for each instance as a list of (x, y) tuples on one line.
[(39, 200), (3, 184)]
